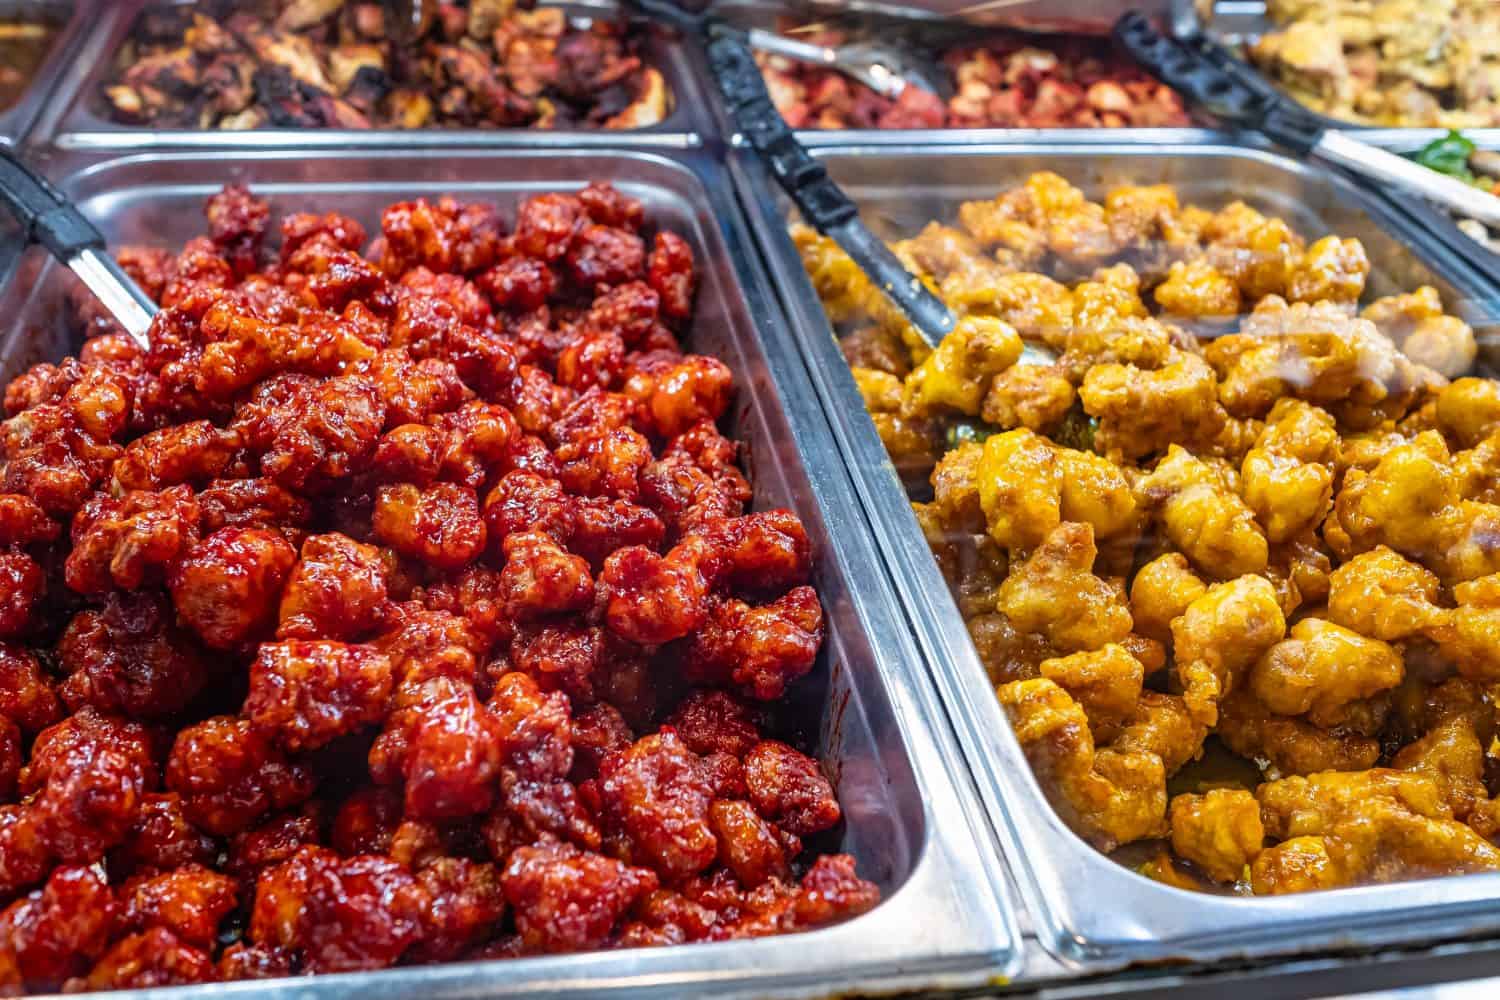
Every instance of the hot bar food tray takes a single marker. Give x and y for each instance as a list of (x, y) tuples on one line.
[(1085, 908), (912, 820)]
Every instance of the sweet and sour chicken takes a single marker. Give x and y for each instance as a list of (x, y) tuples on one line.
[(400, 603), (1243, 511)]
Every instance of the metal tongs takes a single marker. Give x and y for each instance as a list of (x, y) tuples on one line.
[(46, 217), (1207, 74), (885, 69), (822, 203)]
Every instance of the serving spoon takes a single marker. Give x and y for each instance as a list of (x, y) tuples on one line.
[(886, 69)]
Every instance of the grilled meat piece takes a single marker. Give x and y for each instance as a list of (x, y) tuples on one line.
[(333, 64)]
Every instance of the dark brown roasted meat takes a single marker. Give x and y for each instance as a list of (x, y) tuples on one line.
[(332, 64)]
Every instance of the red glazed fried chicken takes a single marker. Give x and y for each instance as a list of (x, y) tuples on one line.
[(399, 604)]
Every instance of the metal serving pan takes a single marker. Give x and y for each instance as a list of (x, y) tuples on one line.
[(754, 14), (72, 19), (1086, 17), (1085, 908), (75, 121), (913, 821), (1237, 23)]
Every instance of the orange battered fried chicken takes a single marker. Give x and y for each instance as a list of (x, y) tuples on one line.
[(1242, 510)]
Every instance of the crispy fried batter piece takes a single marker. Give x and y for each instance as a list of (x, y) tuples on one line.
[(1382, 595), (1054, 593), (1161, 592), (1219, 636), (1291, 745), (1108, 796), (1468, 410), (1417, 324), (1203, 516), (307, 693), (1019, 488), (957, 374), (658, 793), (1106, 682), (1369, 826), (1037, 397), (1287, 478), (1145, 405), (280, 695), (1196, 288), (227, 587), (338, 914), (337, 590), (1472, 636), (1219, 831), (1161, 724), (566, 899), (129, 657), (1410, 501), (1027, 486), (1320, 668)]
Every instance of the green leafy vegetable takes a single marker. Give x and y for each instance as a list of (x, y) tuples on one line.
[(965, 432), (1077, 430), (1448, 155)]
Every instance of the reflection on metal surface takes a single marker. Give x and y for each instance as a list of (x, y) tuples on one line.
[(17, 116), (883, 68), (1478, 248), (25, 40), (1378, 166)]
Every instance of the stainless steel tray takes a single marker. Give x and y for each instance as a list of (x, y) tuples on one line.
[(74, 18), (1086, 17), (74, 121), (913, 822), (1086, 909), (1236, 23), (754, 14)]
